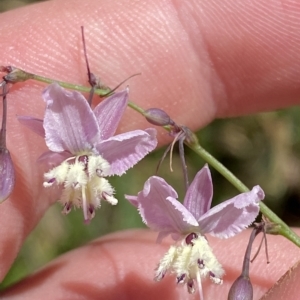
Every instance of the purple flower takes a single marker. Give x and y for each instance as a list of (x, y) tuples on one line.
[(188, 222), (83, 148)]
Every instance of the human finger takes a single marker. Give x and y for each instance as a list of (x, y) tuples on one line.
[(193, 67), (121, 266)]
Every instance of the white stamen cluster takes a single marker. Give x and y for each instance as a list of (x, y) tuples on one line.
[(189, 260), (83, 184)]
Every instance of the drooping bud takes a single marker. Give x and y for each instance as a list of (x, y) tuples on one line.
[(157, 116), (7, 174), (241, 289), (14, 74), (7, 171)]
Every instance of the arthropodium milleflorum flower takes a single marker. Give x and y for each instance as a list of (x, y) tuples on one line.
[(83, 148), (192, 258)]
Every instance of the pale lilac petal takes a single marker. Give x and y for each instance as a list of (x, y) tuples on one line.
[(199, 194), (34, 124), (109, 113), (153, 186), (232, 216), (69, 121), (175, 236), (133, 200), (161, 235), (125, 150), (161, 211), (53, 159), (7, 174)]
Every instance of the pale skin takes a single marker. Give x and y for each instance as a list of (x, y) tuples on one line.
[(199, 60)]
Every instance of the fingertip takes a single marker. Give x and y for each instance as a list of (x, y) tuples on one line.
[(287, 287)]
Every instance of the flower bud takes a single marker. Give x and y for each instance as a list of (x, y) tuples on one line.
[(158, 117), (241, 289), (7, 174), (14, 74)]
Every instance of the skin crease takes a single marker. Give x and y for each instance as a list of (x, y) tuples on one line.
[(199, 60)]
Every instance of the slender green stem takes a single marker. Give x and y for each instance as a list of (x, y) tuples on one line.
[(136, 107), (17, 75), (282, 228), (80, 88)]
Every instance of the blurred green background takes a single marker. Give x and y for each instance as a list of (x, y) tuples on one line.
[(262, 149), (11, 4)]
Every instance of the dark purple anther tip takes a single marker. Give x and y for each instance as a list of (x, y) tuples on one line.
[(52, 180), (190, 237), (84, 159), (200, 263), (91, 209), (181, 278), (91, 212), (67, 208), (191, 286), (160, 276)]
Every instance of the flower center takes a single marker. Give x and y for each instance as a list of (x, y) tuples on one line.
[(193, 257), (81, 178)]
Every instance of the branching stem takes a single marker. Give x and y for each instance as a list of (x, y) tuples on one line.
[(193, 143)]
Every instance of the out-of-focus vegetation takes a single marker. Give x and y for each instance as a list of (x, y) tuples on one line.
[(263, 149), (11, 4)]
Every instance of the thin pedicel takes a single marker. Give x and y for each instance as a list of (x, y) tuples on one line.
[(242, 287), (95, 82), (158, 117)]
